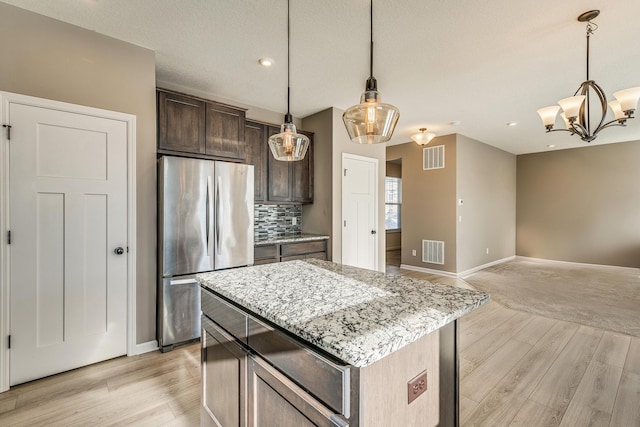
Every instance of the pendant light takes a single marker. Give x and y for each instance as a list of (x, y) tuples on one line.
[(371, 121), (288, 145)]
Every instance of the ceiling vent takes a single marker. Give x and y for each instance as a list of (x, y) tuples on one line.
[(433, 252), (433, 157)]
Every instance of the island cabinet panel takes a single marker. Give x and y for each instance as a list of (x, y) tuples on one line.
[(181, 121), (276, 401), (255, 137), (223, 363), (191, 126), (224, 131)]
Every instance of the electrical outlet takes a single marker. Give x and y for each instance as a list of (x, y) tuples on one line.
[(487, 251), (416, 386), (413, 252)]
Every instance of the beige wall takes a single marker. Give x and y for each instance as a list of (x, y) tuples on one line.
[(394, 169), (332, 158), (317, 217), (580, 205), (428, 202), (486, 182), (49, 59)]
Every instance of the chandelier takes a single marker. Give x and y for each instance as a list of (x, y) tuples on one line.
[(371, 121), (576, 109)]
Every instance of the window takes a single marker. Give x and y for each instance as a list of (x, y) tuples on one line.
[(393, 202)]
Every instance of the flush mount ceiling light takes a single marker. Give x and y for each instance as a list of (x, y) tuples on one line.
[(371, 121), (577, 109), (423, 137), (288, 145)]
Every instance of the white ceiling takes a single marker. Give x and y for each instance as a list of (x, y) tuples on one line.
[(483, 63)]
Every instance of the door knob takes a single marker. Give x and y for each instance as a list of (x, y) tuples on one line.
[(118, 250), (373, 231)]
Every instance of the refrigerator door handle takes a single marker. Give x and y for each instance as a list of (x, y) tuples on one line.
[(218, 212), (210, 219), (183, 282)]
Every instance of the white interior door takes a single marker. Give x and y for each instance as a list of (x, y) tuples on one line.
[(67, 215), (360, 211)]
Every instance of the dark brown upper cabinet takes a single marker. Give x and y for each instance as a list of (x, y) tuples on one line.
[(190, 125), (181, 123), (290, 181), (255, 137)]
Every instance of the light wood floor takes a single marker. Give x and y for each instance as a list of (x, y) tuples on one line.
[(517, 369)]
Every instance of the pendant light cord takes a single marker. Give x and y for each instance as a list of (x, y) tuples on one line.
[(288, 118), (371, 37)]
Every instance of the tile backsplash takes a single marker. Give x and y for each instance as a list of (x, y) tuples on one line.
[(277, 220)]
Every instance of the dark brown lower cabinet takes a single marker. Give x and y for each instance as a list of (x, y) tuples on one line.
[(224, 378), (266, 254)]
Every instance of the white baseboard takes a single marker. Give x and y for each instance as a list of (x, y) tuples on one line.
[(146, 347), (428, 270), (461, 274), (585, 264), (470, 271)]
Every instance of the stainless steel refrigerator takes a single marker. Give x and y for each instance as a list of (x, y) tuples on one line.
[(205, 223)]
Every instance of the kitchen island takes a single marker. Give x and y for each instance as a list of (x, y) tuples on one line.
[(319, 343)]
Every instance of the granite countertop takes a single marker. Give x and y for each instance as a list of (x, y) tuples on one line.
[(357, 315), (294, 238)]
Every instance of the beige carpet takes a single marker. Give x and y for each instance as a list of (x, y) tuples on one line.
[(603, 297)]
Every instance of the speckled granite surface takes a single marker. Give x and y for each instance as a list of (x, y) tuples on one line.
[(357, 315), (289, 239)]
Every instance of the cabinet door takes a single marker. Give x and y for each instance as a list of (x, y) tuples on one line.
[(274, 400), (279, 173), (255, 137), (302, 181), (181, 121), (223, 378), (224, 131)]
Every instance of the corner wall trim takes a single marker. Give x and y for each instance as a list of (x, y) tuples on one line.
[(470, 271), (146, 347)]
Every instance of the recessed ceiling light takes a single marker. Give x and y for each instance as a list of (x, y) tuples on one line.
[(512, 123), (266, 62), (551, 146), (455, 123)]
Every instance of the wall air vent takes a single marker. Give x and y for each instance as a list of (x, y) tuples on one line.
[(433, 252), (433, 157)]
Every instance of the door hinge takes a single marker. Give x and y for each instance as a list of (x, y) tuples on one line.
[(345, 223), (345, 172), (127, 249), (8, 237), (9, 341), (8, 131)]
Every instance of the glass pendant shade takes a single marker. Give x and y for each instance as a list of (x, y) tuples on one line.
[(548, 115), (628, 98), (371, 121), (571, 106), (288, 145)]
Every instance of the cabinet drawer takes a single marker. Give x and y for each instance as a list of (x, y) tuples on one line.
[(263, 252), (265, 261), (326, 380), (303, 248), (225, 315)]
